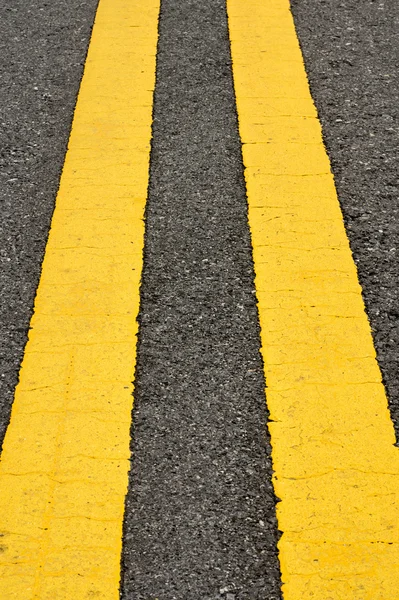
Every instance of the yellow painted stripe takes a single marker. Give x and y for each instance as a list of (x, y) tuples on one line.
[(336, 469), (64, 467)]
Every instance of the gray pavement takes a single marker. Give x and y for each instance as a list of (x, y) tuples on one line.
[(200, 510)]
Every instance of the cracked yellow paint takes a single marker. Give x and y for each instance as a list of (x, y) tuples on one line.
[(64, 466), (336, 467)]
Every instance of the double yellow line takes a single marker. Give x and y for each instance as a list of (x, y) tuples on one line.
[(64, 467)]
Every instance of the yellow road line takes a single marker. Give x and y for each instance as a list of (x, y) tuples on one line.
[(64, 467), (336, 469)]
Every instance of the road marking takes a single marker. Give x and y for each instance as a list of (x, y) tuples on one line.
[(336, 469), (64, 467)]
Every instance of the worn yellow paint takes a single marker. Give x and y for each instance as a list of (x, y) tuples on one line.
[(336, 467), (64, 467)]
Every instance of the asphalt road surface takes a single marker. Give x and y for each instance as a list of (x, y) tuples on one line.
[(200, 519), (200, 513)]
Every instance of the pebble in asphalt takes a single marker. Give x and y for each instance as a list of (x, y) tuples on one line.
[(200, 512)]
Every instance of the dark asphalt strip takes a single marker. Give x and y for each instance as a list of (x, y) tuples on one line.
[(199, 520), (42, 53), (352, 59)]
